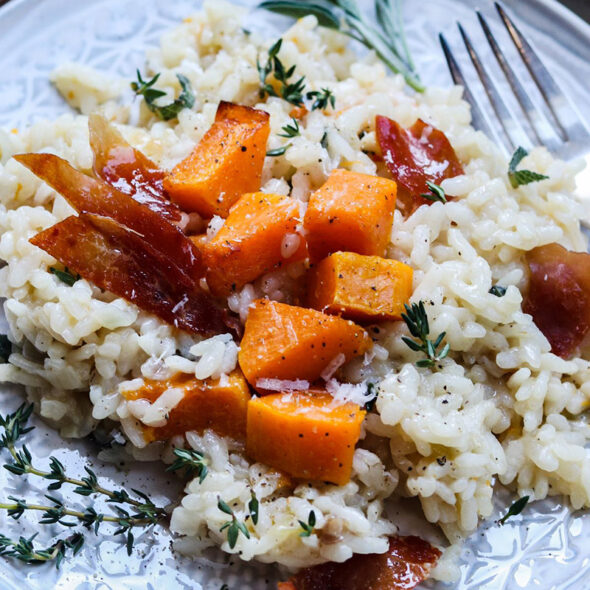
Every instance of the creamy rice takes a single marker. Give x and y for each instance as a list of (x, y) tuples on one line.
[(501, 406)]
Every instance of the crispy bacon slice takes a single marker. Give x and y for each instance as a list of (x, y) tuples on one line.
[(414, 156), (558, 296), (117, 259), (407, 563), (128, 170), (90, 195)]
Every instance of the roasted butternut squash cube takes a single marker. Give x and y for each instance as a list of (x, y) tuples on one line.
[(362, 288), (253, 241), (287, 342), (304, 434), (218, 404), (225, 164), (351, 212)]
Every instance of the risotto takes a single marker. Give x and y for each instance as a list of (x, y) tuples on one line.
[(499, 407)]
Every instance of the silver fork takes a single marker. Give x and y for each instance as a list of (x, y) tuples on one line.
[(557, 126)]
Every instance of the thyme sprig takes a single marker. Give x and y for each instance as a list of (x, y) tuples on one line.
[(142, 511), (290, 129), (417, 322), (516, 508), (24, 549), (321, 99), (437, 193), (234, 526), (307, 526), (145, 88), (520, 177), (387, 40), (291, 91), (193, 462)]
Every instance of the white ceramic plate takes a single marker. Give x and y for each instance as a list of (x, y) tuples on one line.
[(547, 548)]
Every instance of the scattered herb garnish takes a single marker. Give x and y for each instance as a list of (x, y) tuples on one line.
[(436, 193), (388, 40), (278, 151), (324, 140), (322, 99), (307, 526), (65, 276), (290, 91), (234, 526), (5, 348), (143, 512), (498, 290), (253, 507), (516, 508), (417, 322), (519, 177), (372, 392), (291, 130), (185, 100), (191, 461)]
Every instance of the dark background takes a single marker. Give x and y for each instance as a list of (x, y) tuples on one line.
[(582, 7)]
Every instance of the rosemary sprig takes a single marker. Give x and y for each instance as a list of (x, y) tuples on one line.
[(291, 130), (436, 193), (290, 91), (519, 177), (516, 508), (417, 322), (387, 40), (321, 99), (307, 526), (185, 100), (25, 551), (234, 526)]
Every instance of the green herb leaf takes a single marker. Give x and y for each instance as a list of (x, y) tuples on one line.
[(324, 140), (373, 393), (417, 323), (191, 461), (291, 130), (436, 193), (322, 99), (307, 526), (387, 40), (185, 100), (253, 507), (516, 508), (498, 290), (520, 177), (65, 276), (278, 151)]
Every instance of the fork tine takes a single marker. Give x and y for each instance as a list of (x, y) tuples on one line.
[(556, 101), (478, 119), (504, 117), (533, 117)]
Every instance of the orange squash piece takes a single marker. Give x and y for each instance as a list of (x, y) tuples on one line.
[(226, 163), (362, 288), (220, 406), (304, 434), (287, 342), (250, 242), (351, 212)]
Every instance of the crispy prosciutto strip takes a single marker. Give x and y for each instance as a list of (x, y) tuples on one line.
[(414, 156), (118, 260), (407, 563), (90, 195), (128, 170), (558, 296)]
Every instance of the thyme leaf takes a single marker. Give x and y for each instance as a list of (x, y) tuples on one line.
[(65, 276), (191, 461), (185, 100), (278, 151), (436, 193), (234, 526), (498, 290), (516, 508), (291, 130), (417, 322), (321, 99), (520, 177), (307, 526), (253, 507)]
